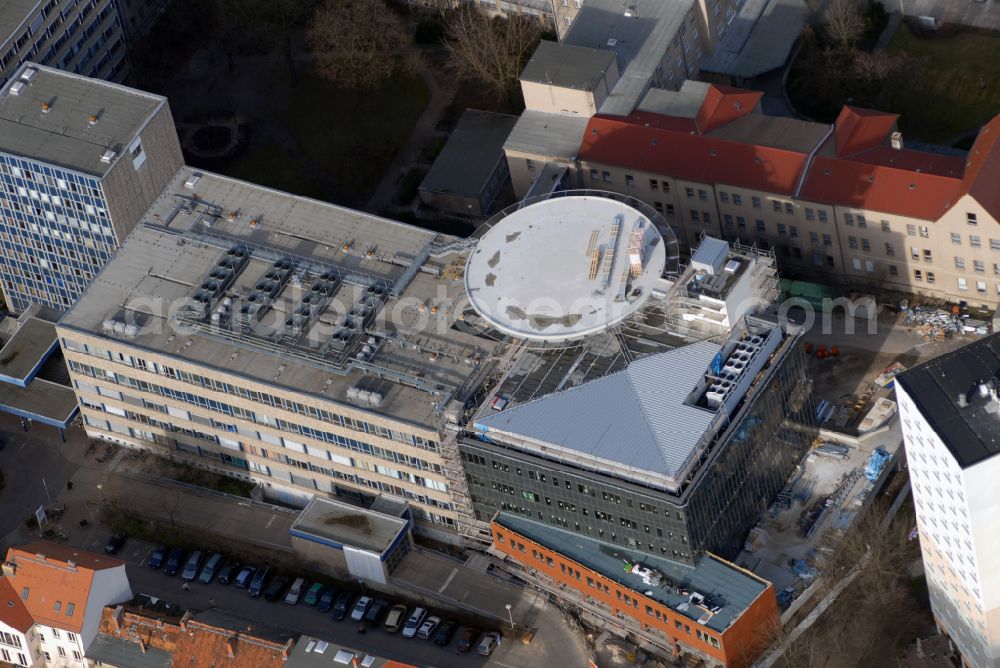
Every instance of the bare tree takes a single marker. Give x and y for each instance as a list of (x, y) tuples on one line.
[(844, 22), (490, 50), (356, 42)]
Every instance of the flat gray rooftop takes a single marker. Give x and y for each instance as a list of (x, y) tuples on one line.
[(683, 103), (419, 354), (13, 13), (759, 39), (23, 355), (122, 653), (43, 400), (789, 134), (568, 66), (471, 154), (720, 582), (550, 135), (348, 525), (639, 40), (63, 135)]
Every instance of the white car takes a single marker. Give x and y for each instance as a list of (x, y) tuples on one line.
[(360, 608), (427, 629), (489, 643), (414, 622)]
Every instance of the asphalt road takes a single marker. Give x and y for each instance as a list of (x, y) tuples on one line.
[(27, 460), (299, 618)]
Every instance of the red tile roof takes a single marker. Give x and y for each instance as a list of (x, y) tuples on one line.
[(982, 171), (12, 610), (858, 129), (55, 573), (858, 168), (723, 104), (661, 149)]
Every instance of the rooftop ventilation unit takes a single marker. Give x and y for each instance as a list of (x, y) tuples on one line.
[(29, 74), (312, 305), (16, 88), (264, 292), (108, 156), (192, 181), (896, 138), (218, 280)]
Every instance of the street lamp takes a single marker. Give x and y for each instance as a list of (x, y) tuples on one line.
[(510, 615)]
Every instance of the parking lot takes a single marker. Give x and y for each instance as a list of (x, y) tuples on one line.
[(300, 617)]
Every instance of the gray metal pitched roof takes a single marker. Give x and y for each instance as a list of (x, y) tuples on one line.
[(567, 65), (549, 135), (468, 160), (122, 653), (760, 38), (638, 417)]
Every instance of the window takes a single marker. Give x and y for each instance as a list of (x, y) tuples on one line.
[(911, 230), (849, 219), (924, 231), (55, 633), (862, 223), (814, 237), (61, 650), (76, 655), (970, 218), (979, 266), (530, 163), (930, 277), (918, 275), (975, 241), (866, 245), (737, 199), (963, 284), (24, 594), (782, 229), (702, 195), (956, 238), (889, 249), (606, 176), (885, 226), (852, 242), (893, 270), (593, 175), (665, 185), (755, 201), (761, 225), (959, 262), (706, 217), (777, 206), (810, 214), (70, 607), (928, 256), (980, 286), (630, 181), (822, 215), (654, 184), (689, 192), (789, 208), (71, 637), (827, 240), (724, 197), (58, 606), (694, 216)]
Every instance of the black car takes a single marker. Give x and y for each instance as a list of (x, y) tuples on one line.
[(468, 640), (326, 600), (277, 587), (159, 556), (342, 605), (115, 543), (259, 581), (244, 577), (175, 561), (376, 612), (444, 633), (228, 572)]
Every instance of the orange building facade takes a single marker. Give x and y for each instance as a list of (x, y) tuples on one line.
[(737, 646)]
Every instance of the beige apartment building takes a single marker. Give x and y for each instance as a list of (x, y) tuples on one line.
[(847, 202), (298, 344)]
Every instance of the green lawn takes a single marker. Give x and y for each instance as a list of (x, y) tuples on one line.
[(960, 89), (329, 142)]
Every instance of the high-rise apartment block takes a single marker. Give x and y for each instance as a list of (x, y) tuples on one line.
[(79, 36), (80, 162), (950, 412)]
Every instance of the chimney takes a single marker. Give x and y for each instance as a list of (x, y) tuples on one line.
[(231, 647), (92, 119), (896, 138), (963, 401), (184, 620), (142, 646), (45, 107), (286, 650), (116, 619)]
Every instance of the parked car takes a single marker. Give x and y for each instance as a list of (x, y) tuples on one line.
[(115, 542), (274, 590), (413, 622), (342, 605), (427, 629), (159, 556), (192, 565), (376, 612), (245, 576), (210, 569), (326, 600), (313, 593), (295, 591), (259, 581), (360, 608), (489, 642), (228, 572), (468, 640), (444, 633), (174, 562), (395, 619)]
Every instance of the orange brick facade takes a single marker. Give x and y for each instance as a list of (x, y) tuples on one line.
[(736, 647)]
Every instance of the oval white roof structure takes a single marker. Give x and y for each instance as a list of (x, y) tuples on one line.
[(565, 268)]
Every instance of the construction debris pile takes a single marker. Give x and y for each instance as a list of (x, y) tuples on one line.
[(936, 324)]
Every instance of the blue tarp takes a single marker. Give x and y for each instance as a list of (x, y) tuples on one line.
[(876, 463)]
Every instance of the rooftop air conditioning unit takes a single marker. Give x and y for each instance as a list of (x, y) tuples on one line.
[(192, 181), (29, 74), (108, 156), (16, 87)]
